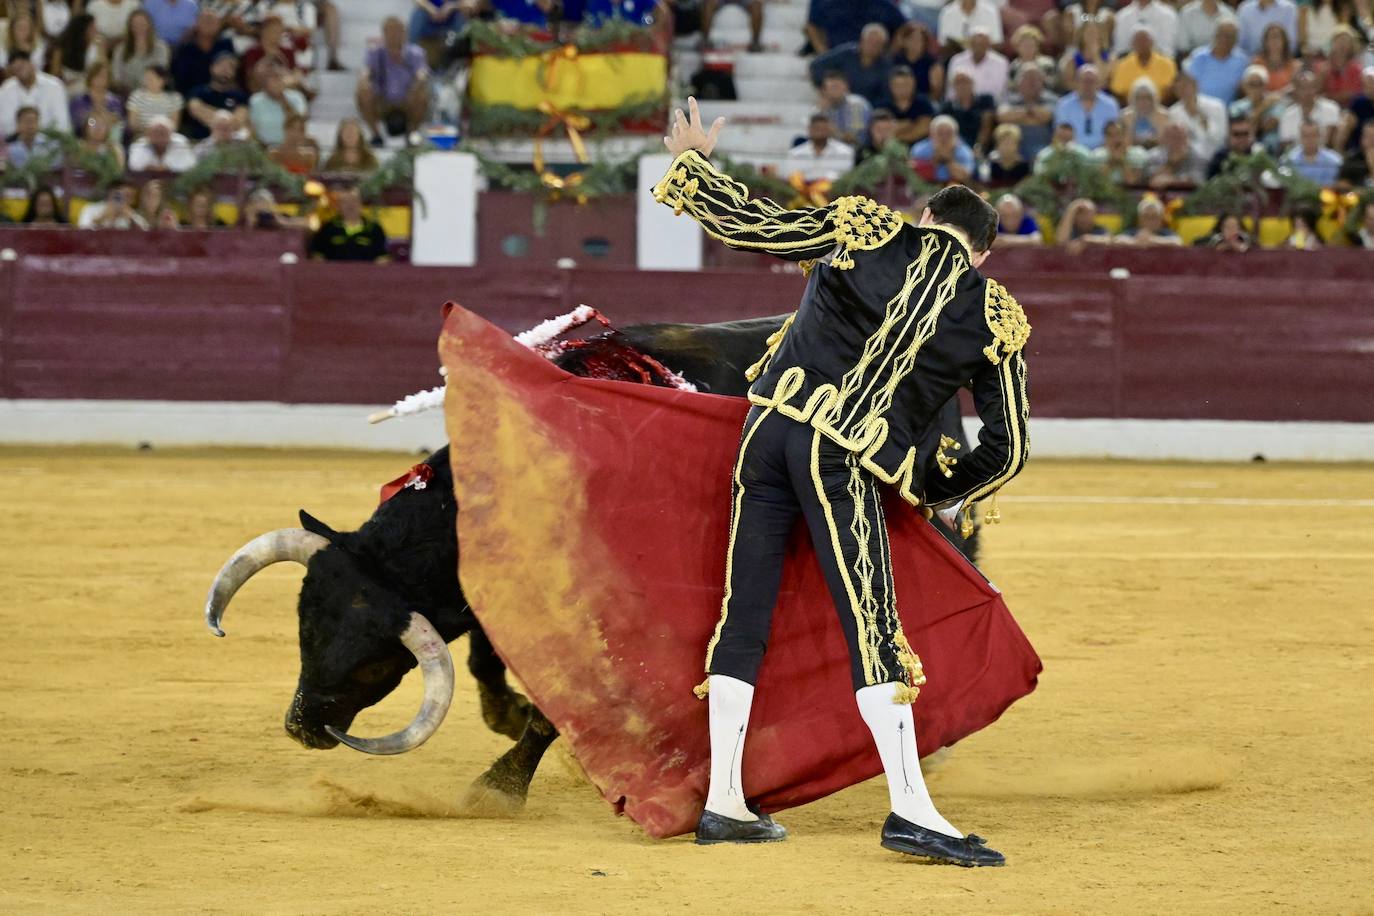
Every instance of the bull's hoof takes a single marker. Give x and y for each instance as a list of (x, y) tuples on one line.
[(491, 796), (506, 713)]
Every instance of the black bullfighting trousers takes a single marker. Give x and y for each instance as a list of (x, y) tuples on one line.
[(785, 468)]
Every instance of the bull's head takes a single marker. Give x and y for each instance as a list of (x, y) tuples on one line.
[(358, 639)]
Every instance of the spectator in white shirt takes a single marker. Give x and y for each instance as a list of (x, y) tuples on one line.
[(1198, 21), (989, 68), (1156, 16), (116, 211), (820, 157), (1203, 116), (224, 132), (111, 16), (1309, 105), (161, 149), (959, 18), (27, 88)]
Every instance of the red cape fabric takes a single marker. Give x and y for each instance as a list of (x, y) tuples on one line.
[(592, 524)]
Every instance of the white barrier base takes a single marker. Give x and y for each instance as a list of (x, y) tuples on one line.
[(259, 423), (228, 423)]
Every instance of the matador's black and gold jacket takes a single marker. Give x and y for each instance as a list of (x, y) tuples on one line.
[(893, 322)]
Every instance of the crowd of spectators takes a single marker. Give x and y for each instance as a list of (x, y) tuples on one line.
[(159, 86), (1157, 95)]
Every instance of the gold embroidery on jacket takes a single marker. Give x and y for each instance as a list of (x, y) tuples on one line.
[(1016, 416), (1007, 322), (866, 434), (943, 461), (774, 341), (895, 312), (724, 210)]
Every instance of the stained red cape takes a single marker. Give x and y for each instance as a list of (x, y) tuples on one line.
[(592, 526)]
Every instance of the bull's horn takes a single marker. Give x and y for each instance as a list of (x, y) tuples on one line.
[(436, 665), (273, 547)]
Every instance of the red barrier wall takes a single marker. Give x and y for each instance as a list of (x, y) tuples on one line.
[(1156, 345)]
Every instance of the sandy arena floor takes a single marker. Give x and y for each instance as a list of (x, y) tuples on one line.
[(1199, 743)]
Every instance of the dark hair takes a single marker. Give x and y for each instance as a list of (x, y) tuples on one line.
[(957, 206), (32, 212), (883, 114), (27, 108), (818, 116), (1308, 214), (834, 75), (73, 43), (1221, 221)]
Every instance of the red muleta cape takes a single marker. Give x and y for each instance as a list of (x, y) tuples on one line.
[(592, 524)]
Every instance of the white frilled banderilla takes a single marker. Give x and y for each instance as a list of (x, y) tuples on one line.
[(543, 338)]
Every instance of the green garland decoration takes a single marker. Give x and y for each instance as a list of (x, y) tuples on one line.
[(1242, 183), (397, 171), (1355, 217), (892, 161), (242, 158), (483, 34), (599, 179), (506, 120), (63, 149), (1066, 175)]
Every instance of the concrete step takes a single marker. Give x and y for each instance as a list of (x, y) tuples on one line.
[(759, 111), (774, 142), (788, 90), (771, 66), (560, 152)]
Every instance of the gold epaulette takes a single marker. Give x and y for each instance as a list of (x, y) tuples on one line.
[(862, 224), (1007, 322)]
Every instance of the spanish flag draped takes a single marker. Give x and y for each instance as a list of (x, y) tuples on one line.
[(567, 79), (593, 518)]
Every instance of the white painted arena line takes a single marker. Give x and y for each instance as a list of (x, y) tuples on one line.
[(1192, 501), (1170, 556), (273, 425)]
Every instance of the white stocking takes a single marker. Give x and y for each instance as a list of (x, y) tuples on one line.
[(730, 699), (894, 731)]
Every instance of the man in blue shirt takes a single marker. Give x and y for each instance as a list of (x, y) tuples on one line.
[(172, 19), (943, 157), (1257, 15), (30, 144), (1310, 159), (1218, 67), (1088, 110)]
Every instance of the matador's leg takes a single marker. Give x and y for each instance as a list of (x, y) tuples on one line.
[(844, 514)]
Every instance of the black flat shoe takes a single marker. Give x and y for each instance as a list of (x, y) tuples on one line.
[(901, 835), (717, 828)]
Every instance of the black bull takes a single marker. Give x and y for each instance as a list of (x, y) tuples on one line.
[(378, 600)]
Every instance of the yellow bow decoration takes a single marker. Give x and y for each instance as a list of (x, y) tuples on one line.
[(549, 64), (809, 193), (1335, 207), (559, 186), (573, 122)]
